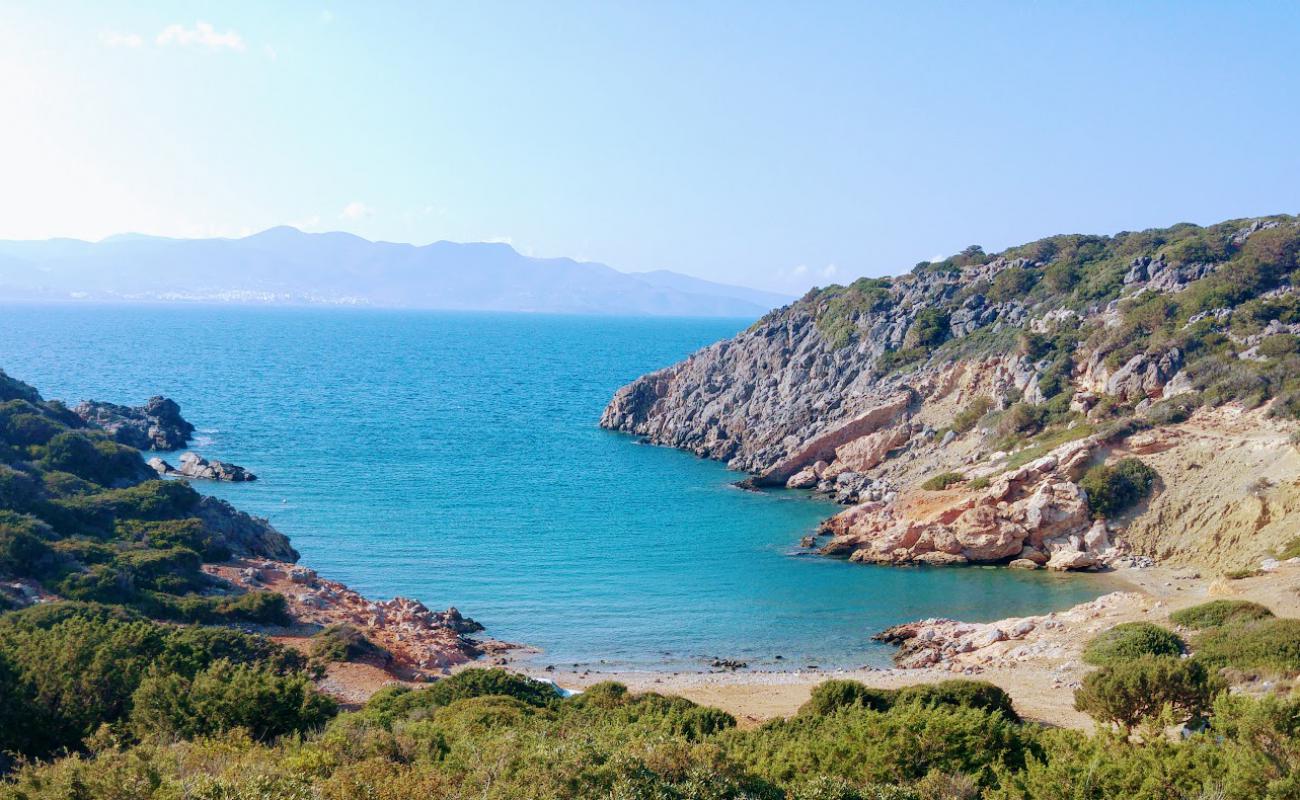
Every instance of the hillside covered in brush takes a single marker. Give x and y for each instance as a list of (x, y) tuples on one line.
[(965, 408)]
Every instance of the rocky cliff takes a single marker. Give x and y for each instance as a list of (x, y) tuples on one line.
[(984, 408)]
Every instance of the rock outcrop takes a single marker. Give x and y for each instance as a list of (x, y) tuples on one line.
[(156, 425), (1035, 513), (423, 643), (970, 647), (195, 466), (864, 392), (242, 533)]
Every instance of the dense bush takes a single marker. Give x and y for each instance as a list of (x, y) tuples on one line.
[(928, 330), (95, 458), (617, 745), (78, 665), (1131, 640), (839, 307), (834, 695), (1117, 487), (961, 693), (1012, 283), (830, 696), (224, 696), (1130, 691), (400, 702), (1268, 645), (1217, 613)]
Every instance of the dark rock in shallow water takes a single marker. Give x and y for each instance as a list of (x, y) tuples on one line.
[(194, 465), (156, 425), (243, 533)]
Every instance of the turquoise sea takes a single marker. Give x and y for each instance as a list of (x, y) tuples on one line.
[(455, 458)]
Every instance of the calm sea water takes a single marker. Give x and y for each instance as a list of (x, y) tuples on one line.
[(455, 458)]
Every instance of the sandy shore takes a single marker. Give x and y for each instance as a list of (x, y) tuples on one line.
[(1040, 670)]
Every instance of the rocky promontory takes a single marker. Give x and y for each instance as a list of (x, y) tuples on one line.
[(1016, 407), (156, 425)]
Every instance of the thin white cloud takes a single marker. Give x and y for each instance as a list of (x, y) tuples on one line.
[(356, 210), (829, 271), (203, 34), (119, 39), (799, 271), (269, 52), (326, 16)]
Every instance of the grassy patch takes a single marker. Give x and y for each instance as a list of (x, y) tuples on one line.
[(942, 481), (1046, 442), (1217, 613), (1269, 644)]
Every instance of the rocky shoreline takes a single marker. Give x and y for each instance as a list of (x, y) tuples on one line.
[(410, 642), (156, 425), (422, 644)]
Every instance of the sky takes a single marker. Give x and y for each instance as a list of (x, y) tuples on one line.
[(774, 145)]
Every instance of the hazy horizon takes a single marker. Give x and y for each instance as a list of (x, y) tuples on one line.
[(761, 146)]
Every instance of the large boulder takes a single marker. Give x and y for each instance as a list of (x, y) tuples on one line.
[(156, 425)]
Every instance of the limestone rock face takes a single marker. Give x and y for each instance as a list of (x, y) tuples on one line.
[(1035, 513), (156, 425), (875, 380)]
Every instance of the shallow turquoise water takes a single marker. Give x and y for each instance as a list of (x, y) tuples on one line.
[(455, 458)]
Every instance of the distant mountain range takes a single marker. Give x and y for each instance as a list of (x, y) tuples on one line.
[(287, 266)]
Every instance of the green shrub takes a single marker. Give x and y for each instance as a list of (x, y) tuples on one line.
[(225, 696), (1269, 644), (928, 330), (1217, 613), (1131, 640), (1021, 419), (398, 703), (14, 389), (1114, 488), (1279, 346), (962, 693), (970, 416), (1131, 691), (95, 458), (942, 481), (78, 665), (830, 696), (342, 642), (834, 695), (839, 308), (1012, 283)]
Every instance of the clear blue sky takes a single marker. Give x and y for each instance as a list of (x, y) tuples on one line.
[(774, 145)]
